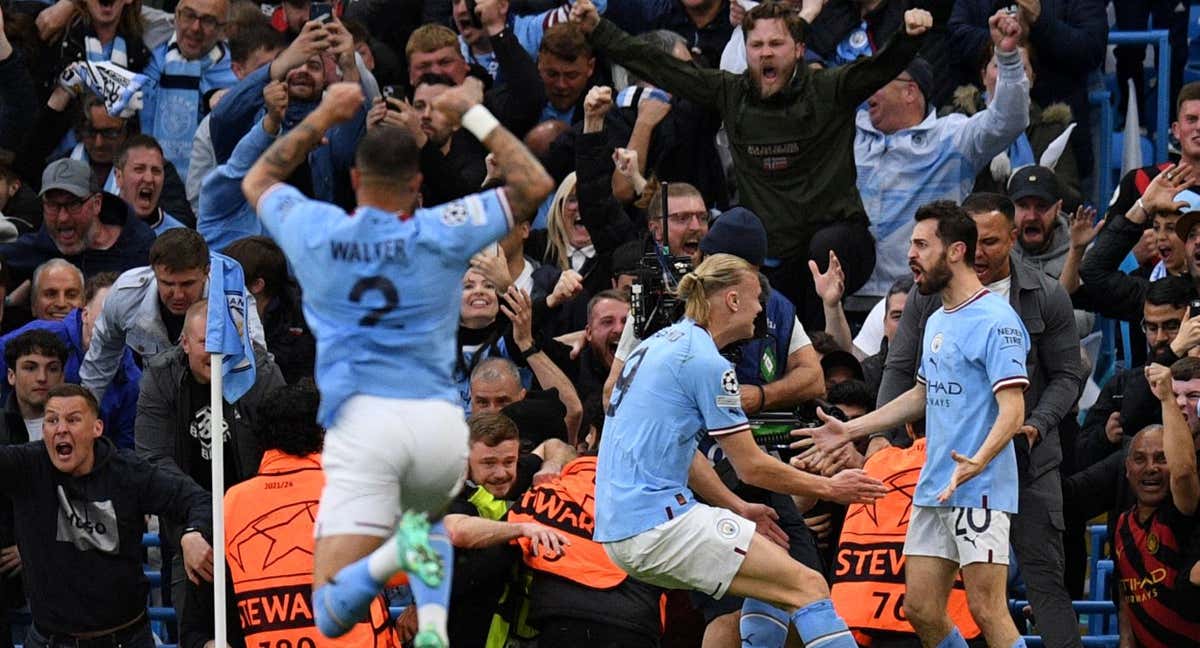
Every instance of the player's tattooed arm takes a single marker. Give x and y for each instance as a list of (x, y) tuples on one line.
[(526, 183), (341, 102)]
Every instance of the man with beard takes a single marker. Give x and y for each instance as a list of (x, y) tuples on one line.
[(92, 229), (790, 131), (451, 160), (969, 389), (1157, 605), (139, 176), (1125, 402), (224, 215), (476, 521), (607, 318), (1042, 228), (300, 68), (1055, 374)]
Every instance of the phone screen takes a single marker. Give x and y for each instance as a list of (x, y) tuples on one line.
[(319, 10)]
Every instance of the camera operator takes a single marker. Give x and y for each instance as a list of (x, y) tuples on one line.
[(777, 371)]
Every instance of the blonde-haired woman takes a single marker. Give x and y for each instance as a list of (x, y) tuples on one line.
[(569, 245), (648, 520)]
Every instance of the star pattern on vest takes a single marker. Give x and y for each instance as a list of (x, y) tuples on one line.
[(267, 540), (903, 482)]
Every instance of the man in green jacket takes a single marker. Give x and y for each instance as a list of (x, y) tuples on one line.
[(791, 133)]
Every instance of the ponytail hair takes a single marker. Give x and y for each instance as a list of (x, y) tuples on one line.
[(716, 273)]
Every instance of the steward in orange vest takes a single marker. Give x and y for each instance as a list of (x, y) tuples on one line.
[(268, 546), (269, 534), (868, 571), (579, 596)]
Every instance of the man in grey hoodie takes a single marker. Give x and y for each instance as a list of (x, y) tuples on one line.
[(1042, 229)]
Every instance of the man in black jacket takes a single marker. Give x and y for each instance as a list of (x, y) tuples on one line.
[(79, 506), (1125, 404), (1119, 295), (173, 426), (35, 360)]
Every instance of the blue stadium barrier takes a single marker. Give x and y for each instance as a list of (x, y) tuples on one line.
[(1103, 641), (1101, 100), (1097, 536), (1162, 107)]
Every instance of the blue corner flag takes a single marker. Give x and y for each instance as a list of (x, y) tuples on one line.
[(227, 331)]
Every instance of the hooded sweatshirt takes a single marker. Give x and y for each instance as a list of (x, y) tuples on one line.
[(1051, 260), (80, 538)]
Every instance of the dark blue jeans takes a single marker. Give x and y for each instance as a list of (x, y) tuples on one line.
[(136, 636)]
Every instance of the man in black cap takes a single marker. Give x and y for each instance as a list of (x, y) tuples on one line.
[(1042, 229), (907, 156)]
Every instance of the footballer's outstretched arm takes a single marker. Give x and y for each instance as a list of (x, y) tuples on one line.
[(526, 183), (341, 103)]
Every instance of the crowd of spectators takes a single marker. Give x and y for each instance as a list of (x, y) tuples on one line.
[(798, 135)]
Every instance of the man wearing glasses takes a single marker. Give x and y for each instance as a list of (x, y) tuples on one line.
[(182, 72), (1125, 405), (91, 229), (101, 138)]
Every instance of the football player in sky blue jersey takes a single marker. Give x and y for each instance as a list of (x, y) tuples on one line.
[(970, 390), (674, 388), (381, 295)]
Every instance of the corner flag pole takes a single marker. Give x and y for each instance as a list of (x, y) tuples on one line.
[(217, 444)]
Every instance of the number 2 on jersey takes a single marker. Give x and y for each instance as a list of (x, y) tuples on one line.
[(382, 285)]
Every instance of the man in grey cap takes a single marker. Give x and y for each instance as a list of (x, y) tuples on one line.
[(91, 229), (1042, 229), (907, 156)]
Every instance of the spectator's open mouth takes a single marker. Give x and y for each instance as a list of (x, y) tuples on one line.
[(1151, 484), (1164, 252), (63, 450), (145, 198)]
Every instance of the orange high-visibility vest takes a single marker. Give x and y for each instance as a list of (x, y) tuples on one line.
[(568, 504), (868, 578), (268, 547)]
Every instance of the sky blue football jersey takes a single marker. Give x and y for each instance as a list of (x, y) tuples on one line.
[(382, 294), (969, 353), (674, 387)]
